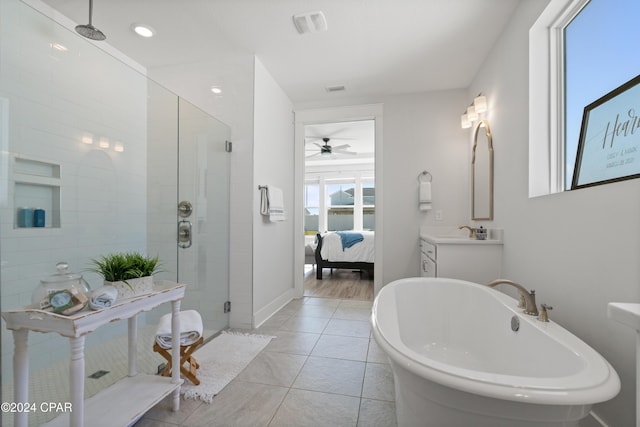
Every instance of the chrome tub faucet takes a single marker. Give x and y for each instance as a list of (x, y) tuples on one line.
[(529, 297)]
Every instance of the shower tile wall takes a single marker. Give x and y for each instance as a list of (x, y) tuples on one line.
[(58, 93)]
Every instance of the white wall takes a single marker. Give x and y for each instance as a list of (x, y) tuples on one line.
[(273, 166), (422, 132), (579, 250)]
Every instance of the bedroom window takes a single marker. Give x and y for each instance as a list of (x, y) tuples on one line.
[(311, 208), (340, 204), (346, 204), (368, 205)]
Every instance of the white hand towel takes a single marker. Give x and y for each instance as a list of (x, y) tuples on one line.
[(190, 328), (425, 192), (424, 197), (276, 205)]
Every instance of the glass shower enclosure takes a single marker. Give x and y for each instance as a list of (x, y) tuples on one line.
[(108, 155), (188, 202)]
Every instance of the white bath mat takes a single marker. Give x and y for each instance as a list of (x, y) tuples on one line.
[(221, 360)]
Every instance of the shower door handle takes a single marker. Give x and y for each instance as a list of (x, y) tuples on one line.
[(184, 234)]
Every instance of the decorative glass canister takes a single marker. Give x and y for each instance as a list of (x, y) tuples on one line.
[(62, 292)]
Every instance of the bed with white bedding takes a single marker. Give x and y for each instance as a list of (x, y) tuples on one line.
[(349, 249)]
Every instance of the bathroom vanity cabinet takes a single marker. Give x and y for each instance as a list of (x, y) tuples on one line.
[(459, 257), (125, 401)]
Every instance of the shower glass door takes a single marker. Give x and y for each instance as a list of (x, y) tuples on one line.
[(188, 203), (203, 188)]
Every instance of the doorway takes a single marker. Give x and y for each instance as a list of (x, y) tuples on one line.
[(338, 181), (339, 195)]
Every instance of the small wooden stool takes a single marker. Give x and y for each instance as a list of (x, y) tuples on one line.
[(186, 357)]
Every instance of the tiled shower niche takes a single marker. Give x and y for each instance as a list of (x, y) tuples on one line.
[(36, 186)]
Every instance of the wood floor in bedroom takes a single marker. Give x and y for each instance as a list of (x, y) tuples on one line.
[(339, 284)]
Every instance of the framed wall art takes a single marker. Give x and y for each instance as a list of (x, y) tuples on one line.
[(609, 145)]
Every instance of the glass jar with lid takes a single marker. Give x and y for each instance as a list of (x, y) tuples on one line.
[(50, 294)]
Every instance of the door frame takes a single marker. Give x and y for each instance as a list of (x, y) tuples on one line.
[(333, 115)]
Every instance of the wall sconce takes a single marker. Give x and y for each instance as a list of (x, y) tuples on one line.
[(473, 111), (480, 102)]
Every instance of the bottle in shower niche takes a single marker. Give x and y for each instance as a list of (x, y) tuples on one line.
[(25, 217), (38, 217)]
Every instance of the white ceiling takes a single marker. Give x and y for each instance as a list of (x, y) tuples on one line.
[(373, 47)]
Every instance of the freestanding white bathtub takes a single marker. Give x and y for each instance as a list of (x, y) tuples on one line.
[(457, 362)]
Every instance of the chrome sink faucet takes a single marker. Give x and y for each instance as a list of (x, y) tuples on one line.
[(472, 231), (529, 297)]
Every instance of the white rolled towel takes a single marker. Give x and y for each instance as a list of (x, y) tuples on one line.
[(103, 297), (190, 329)]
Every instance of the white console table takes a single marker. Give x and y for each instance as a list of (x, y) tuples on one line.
[(126, 400)]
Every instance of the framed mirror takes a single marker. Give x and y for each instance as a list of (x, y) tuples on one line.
[(482, 173)]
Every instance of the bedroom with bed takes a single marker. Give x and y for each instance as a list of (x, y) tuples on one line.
[(339, 209), (345, 249)]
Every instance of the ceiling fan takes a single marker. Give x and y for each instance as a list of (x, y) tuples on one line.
[(328, 150)]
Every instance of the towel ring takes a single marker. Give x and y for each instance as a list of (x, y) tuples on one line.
[(426, 175)]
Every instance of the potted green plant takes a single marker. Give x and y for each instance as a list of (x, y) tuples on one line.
[(131, 273)]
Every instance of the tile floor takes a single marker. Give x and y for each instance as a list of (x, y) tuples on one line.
[(323, 369)]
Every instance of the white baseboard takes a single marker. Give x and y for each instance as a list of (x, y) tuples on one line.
[(272, 308)]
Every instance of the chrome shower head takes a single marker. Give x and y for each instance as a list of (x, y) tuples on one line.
[(89, 31)]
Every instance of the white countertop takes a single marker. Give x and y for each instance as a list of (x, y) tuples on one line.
[(452, 235), (626, 313)]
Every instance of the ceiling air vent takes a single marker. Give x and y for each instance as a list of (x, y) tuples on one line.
[(331, 89), (310, 22)]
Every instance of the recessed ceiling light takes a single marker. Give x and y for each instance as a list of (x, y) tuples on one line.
[(143, 30), (216, 90)]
